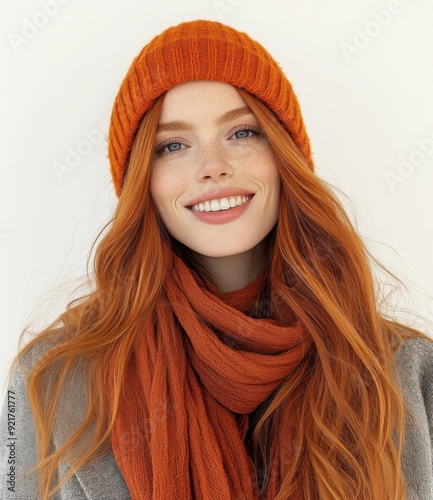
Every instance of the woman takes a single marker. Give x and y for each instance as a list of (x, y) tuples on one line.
[(232, 347)]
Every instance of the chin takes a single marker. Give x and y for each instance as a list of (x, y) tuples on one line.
[(213, 252), (216, 255)]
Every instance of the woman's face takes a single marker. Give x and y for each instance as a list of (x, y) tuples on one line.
[(214, 180)]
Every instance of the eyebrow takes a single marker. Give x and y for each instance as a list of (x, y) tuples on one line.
[(224, 118)]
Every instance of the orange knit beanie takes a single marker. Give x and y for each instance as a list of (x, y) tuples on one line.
[(199, 50)]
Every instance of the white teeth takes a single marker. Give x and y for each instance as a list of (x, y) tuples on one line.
[(224, 204), (221, 204)]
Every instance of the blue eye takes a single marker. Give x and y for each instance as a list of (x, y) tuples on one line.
[(169, 147), (172, 147), (245, 133), (242, 134)]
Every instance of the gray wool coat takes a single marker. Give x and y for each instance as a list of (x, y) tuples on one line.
[(102, 480)]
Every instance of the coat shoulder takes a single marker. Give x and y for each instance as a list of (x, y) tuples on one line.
[(100, 478), (414, 365)]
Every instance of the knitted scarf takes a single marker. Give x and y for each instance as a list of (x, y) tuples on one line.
[(194, 377)]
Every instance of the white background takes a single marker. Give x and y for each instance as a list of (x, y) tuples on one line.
[(365, 107)]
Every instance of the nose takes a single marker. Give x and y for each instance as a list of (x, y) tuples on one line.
[(214, 164)]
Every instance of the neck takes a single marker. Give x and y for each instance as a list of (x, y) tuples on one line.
[(234, 272)]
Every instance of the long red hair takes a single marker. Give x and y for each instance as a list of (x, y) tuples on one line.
[(351, 409)]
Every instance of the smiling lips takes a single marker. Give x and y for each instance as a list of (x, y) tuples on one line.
[(220, 205), (220, 210), (216, 205)]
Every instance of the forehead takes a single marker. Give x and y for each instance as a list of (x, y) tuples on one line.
[(200, 97)]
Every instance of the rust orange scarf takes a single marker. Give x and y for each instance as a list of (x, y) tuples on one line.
[(195, 376)]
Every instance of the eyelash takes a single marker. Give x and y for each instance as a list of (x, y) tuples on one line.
[(249, 128), (159, 149)]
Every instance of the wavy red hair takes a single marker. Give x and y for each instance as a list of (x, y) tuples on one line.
[(351, 409)]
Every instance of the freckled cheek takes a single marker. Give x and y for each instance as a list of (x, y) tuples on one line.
[(262, 166), (165, 189), (271, 180)]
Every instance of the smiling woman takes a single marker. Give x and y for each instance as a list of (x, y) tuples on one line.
[(232, 346), (214, 180)]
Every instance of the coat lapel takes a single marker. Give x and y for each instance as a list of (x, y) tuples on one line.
[(101, 478)]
